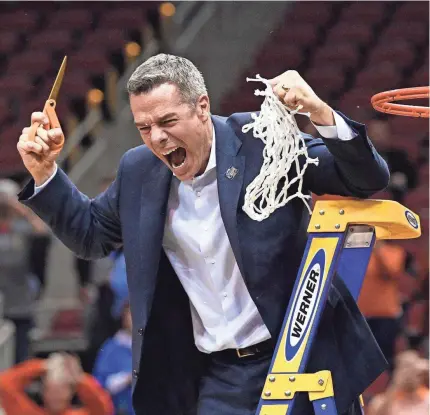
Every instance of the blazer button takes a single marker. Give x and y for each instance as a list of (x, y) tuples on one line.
[(140, 332), (135, 374)]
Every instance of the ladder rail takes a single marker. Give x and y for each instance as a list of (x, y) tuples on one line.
[(341, 238)]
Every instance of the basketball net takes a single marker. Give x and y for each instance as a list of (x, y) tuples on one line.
[(284, 153)]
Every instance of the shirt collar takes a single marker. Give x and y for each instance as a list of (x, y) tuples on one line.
[(212, 158), (211, 163)]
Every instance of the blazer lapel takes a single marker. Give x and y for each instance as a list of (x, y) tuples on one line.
[(230, 173)]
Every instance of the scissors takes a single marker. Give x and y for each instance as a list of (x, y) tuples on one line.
[(50, 104)]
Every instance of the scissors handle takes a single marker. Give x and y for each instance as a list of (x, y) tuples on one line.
[(49, 111)]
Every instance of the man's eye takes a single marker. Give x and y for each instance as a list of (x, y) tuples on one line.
[(145, 129), (169, 122)]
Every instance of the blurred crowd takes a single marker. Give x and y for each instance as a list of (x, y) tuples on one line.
[(61, 377), (99, 380), (408, 390)]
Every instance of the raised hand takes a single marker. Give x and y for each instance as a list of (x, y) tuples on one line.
[(294, 91), (39, 156)]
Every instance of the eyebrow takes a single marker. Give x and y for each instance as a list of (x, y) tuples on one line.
[(167, 116), (161, 119)]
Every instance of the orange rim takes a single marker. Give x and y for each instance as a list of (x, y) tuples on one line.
[(383, 102)]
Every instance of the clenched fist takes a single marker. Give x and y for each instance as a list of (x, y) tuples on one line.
[(293, 91), (39, 156)]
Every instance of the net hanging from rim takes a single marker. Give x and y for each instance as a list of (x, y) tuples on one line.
[(284, 152)]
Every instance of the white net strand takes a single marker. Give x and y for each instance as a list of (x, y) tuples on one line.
[(276, 126)]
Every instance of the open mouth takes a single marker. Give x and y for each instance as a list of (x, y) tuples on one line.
[(176, 157)]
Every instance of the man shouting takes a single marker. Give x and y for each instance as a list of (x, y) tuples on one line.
[(209, 286)]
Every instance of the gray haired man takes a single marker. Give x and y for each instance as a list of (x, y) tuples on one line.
[(208, 285)]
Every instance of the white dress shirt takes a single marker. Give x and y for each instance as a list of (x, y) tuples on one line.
[(196, 244)]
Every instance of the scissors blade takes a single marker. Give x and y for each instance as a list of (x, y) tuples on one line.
[(58, 81)]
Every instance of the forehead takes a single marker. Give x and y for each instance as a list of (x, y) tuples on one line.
[(154, 104)]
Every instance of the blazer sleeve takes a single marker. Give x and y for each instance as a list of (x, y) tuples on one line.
[(89, 227), (346, 168)]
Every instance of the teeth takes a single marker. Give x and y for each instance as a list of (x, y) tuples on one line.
[(177, 167), (170, 151)]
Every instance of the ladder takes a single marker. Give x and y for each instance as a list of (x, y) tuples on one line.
[(342, 234)]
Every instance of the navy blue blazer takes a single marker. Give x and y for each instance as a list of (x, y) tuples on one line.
[(132, 212)]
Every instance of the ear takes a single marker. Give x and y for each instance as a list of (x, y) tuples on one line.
[(203, 108)]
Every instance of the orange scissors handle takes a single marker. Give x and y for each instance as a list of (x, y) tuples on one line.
[(50, 104), (49, 111)]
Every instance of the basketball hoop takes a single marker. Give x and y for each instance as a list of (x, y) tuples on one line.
[(383, 102)]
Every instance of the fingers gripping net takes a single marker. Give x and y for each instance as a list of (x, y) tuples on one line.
[(276, 126)]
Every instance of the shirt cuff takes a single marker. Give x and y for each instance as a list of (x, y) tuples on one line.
[(38, 189), (340, 131)]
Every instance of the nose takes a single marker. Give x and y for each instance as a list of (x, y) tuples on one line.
[(158, 136)]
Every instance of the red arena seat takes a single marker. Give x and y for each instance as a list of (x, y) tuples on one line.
[(5, 110), (88, 62), (358, 34), (15, 84), (401, 53), (420, 77), (300, 34), (10, 160), (39, 61), (120, 18), (369, 12), (54, 40), (342, 54), (415, 32), (105, 39), (379, 77), (310, 12), (356, 101), (21, 21), (410, 127), (413, 11), (327, 78), (75, 85), (71, 19), (279, 59), (9, 42)]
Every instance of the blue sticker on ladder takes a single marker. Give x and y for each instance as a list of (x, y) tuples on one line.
[(305, 305), (411, 219)]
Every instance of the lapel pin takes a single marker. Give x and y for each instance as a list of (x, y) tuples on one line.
[(231, 172)]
